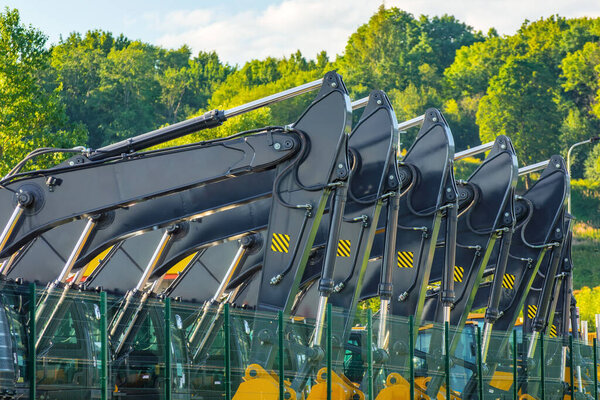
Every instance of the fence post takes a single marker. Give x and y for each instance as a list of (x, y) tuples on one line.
[(227, 338), (479, 365), (32, 340), (370, 353), (595, 343), (411, 354), (515, 367), (447, 357), (280, 355), (328, 351), (571, 373), (584, 331), (103, 348), (168, 371), (542, 366)]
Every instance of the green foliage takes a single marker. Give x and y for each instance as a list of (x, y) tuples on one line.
[(519, 103), (31, 114), (465, 167), (585, 201), (540, 86), (588, 301), (475, 65), (395, 50), (119, 88), (592, 165)]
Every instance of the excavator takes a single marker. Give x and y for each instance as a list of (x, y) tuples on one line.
[(293, 221), (40, 199)]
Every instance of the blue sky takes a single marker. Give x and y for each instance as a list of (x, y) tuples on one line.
[(240, 30)]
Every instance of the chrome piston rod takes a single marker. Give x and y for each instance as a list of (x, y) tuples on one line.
[(210, 119), (220, 291), (62, 279), (10, 226), (274, 98), (158, 252), (533, 168)]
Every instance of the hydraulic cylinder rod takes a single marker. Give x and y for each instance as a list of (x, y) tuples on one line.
[(12, 222), (533, 168), (473, 151), (450, 257), (62, 278), (416, 121), (85, 235), (220, 291), (326, 283), (154, 260), (492, 312), (142, 282), (387, 267), (211, 119)]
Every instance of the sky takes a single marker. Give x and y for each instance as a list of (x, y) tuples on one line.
[(241, 30)]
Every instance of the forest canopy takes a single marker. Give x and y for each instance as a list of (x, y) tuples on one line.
[(540, 86)]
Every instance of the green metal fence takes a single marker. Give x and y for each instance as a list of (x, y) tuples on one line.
[(68, 346)]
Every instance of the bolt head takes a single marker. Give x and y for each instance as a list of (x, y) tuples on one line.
[(434, 119), (340, 166), (333, 85), (506, 214), (71, 163), (503, 146), (277, 146), (379, 101), (557, 165)]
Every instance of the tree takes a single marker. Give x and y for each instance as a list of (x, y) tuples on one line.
[(519, 103), (119, 88), (31, 115), (446, 35), (268, 77), (385, 53), (394, 50), (592, 165), (474, 66)]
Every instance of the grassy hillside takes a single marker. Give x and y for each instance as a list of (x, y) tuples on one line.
[(585, 196)]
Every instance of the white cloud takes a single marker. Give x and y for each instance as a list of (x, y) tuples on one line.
[(504, 15), (278, 30), (313, 25)]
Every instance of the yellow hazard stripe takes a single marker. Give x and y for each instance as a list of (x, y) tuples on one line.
[(553, 331), (405, 259), (280, 243), (508, 281), (343, 249), (458, 273), (531, 311)]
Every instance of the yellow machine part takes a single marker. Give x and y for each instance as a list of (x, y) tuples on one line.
[(396, 387), (341, 388), (261, 385), (526, 397), (173, 271), (92, 265), (502, 380)]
